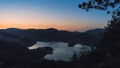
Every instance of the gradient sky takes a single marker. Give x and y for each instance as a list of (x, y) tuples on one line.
[(42, 14)]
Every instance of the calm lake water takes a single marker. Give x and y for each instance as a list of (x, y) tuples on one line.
[(61, 50)]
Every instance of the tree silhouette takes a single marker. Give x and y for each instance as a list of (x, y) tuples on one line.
[(110, 6), (107, 54)]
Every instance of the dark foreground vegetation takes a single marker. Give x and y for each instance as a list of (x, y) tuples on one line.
[(105, 55)]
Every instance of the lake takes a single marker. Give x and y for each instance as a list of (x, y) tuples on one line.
[(61, 50)]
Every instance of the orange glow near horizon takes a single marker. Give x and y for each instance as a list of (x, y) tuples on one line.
[(35, 21), (70, 27), (42, 18), (28, 21), (43, 14)]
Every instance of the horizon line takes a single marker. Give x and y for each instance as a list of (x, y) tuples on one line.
[(52, 28)]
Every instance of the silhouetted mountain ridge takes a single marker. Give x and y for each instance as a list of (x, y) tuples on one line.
[(90, 37), (98, 32)]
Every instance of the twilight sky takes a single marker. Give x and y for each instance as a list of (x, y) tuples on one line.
[(42, 14)]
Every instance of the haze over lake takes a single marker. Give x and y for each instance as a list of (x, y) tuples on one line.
[(61, 50)]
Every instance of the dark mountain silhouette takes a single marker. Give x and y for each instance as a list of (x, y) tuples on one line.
[(17, 39), (14, 43), (16, 56), (98, 32), (28, 36)]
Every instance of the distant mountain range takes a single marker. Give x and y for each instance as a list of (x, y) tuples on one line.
[(29, 37), (98, 32)]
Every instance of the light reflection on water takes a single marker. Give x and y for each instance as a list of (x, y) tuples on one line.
[(61, 50)]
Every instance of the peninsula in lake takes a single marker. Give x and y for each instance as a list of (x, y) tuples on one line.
[(59, 33)]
